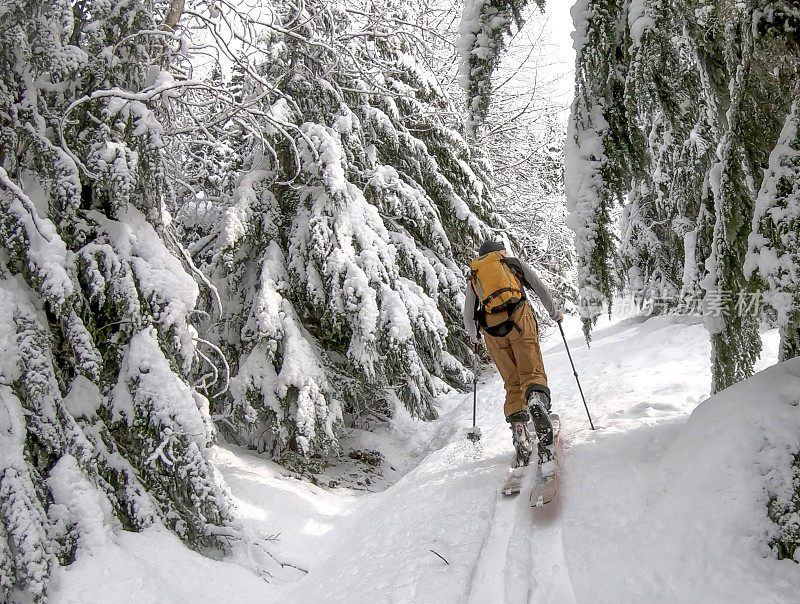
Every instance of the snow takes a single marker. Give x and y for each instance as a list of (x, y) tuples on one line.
[(12, 295), (665, 501), (83, 398), (152, 566), (46, 252), (581, 14), (82, 505), (172, 402), (584, 162), (468, 41), (639, 20), (159, 273), (690, 271)]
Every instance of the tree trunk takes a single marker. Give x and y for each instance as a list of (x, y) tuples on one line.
[(174, 14), (790, 341)]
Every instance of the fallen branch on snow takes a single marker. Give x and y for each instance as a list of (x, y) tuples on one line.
[(442, 557)]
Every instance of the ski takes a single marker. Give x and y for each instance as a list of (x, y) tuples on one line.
[(513, 483), (544, 485)]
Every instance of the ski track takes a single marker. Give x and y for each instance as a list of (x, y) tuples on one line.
[(548, 571), (488, 578)]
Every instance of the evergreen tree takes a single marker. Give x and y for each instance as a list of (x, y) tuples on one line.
[(485, 28), (686, 98), (337, 250), (97, 345), (595, 165), (734, 336), (775, 240)]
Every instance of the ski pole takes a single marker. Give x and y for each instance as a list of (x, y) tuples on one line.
[(475, 434), (575, 373)]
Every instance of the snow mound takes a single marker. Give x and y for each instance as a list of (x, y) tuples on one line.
[(679, 510), (736, 452)]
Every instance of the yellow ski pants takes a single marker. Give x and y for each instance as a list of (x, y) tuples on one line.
[(518, 358)]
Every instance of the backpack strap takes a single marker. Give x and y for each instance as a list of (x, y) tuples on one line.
[(501, 329), (503, 290), (516, 267), (478, 312)]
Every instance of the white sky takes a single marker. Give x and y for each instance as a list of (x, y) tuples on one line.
[(559, 26)]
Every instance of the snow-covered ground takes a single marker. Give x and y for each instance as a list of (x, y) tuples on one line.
[(658, 504)]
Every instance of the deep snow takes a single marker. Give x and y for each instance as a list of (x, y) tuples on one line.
[(658, 504)]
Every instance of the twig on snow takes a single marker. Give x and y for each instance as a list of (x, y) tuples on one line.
[(442, 557)]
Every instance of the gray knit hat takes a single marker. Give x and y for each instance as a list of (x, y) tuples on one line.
[(490, 246)]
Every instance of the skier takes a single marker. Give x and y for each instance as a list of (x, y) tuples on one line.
[(497, 302)]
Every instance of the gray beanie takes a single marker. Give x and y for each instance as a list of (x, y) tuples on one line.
[(490, 246)]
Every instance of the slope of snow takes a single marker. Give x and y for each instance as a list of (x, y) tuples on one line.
[(665, 501), (684, 519), (153, 566)]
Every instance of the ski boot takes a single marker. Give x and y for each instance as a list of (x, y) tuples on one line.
[(518, 422), (546, 453), (538, 405)]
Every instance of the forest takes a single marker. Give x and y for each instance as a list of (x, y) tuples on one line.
[(249, 225)]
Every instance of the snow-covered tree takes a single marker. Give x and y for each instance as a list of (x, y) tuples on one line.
[(97, 345), (669, 129), (337, 247), (594, 173), (775, 240), (485, 28)]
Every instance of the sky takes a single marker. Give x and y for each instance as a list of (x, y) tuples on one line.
[(559, 24)]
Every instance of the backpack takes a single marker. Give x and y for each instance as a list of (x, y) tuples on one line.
[(496, 286)]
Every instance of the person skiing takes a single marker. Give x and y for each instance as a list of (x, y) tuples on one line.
[(496, 302)]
